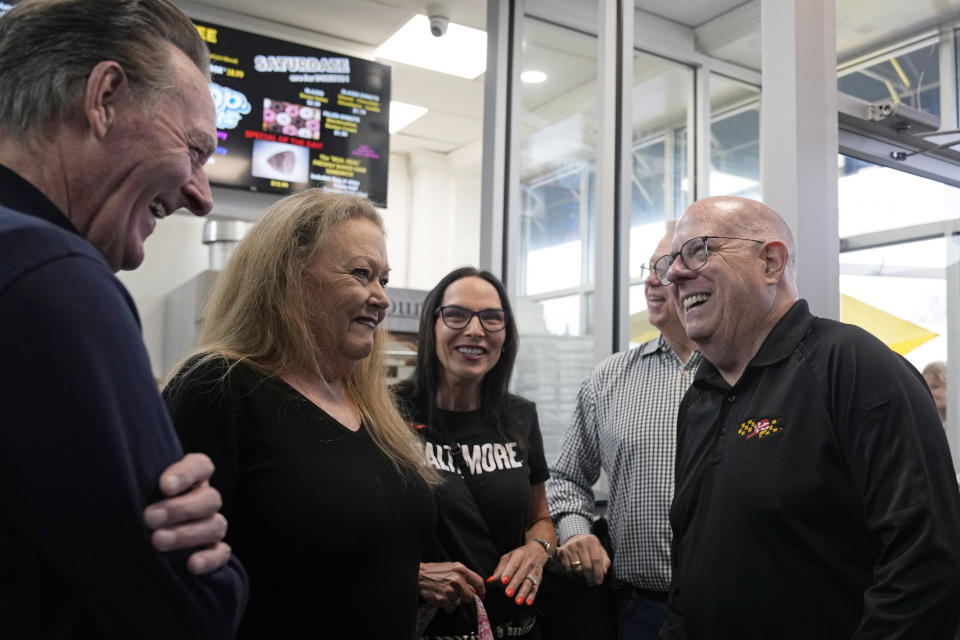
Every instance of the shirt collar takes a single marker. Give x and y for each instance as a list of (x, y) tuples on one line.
[(651, 347), (782, 340), (785, 335), (20, 195)]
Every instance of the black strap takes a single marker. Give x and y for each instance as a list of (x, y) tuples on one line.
[(465, 473), (464, 469)]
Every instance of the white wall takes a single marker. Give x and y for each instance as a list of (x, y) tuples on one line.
[(432, 223), (433, 217), (174, 254)]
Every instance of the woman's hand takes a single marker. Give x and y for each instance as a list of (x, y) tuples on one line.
[(521, 571), (447, 584)]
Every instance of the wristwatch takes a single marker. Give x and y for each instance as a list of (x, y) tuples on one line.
[(546, 546)]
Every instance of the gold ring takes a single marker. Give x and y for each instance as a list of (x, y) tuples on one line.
[(575, 564)]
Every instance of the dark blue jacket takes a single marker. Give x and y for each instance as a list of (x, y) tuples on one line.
[(84, 437)]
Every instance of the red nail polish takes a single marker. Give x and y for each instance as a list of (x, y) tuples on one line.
[(505, 579), (529, 602), (519, 601), (509, 593), (490, 578)]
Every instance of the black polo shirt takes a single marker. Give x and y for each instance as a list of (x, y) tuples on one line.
[(815, 498)]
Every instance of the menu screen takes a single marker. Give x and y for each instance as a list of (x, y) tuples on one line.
[(291, 117)]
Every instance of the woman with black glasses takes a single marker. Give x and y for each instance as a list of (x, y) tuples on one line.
[(493, 532)]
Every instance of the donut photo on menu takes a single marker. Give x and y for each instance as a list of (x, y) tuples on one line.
[(280, 161), (291, 119)]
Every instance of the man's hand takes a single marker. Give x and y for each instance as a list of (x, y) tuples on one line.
[(584, 555), (190, 516)]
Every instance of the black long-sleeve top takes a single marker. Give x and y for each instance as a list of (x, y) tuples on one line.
[(330, 530), (84, 437), (816, 497)]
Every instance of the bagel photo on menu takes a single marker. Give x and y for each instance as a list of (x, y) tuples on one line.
[(280, 161)]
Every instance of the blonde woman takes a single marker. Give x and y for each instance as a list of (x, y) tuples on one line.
[(323, 483)]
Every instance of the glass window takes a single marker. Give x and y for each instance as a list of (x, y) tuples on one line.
[(874, 198), (660, 189), (906, 289), (554, 213), (553, 239), (734, 138), (897, 292), (910, 75), (561, 315)]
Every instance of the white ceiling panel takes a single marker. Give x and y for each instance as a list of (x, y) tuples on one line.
[(363, 21), (400, 142), (691, 13), (448, 127), (863, 24), (438, 91)]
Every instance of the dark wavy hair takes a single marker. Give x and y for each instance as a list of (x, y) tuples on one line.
[(419, 391)]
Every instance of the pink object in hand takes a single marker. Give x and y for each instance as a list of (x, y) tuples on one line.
[(484, 632)]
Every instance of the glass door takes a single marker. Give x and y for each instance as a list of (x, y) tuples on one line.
[(899, 268)]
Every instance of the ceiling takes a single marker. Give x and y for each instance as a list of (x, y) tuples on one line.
[(725, 29)]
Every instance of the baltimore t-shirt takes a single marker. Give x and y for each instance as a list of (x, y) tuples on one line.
[(477, 527)]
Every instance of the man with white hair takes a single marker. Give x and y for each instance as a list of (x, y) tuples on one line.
[(814, 488), (625, 423)]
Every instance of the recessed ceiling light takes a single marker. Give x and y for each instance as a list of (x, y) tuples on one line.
[(533, 76), (461, 52), (402, 114)]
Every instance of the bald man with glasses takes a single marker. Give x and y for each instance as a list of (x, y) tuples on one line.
[(625, 423), (814, 486)]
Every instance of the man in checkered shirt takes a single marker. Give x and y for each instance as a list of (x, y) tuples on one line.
[(625, 424)]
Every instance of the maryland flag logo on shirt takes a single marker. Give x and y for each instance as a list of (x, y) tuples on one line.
[(759, 428)]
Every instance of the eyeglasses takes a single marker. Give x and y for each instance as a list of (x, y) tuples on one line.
[(693, 254), (456, 318)]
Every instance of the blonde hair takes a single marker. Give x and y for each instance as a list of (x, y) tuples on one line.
[(259, 314), (937, 371)]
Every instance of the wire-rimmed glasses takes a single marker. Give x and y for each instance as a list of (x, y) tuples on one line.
[(693, 254), (457, 317)]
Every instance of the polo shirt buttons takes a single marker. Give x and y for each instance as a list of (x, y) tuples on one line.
[(731, 397)]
